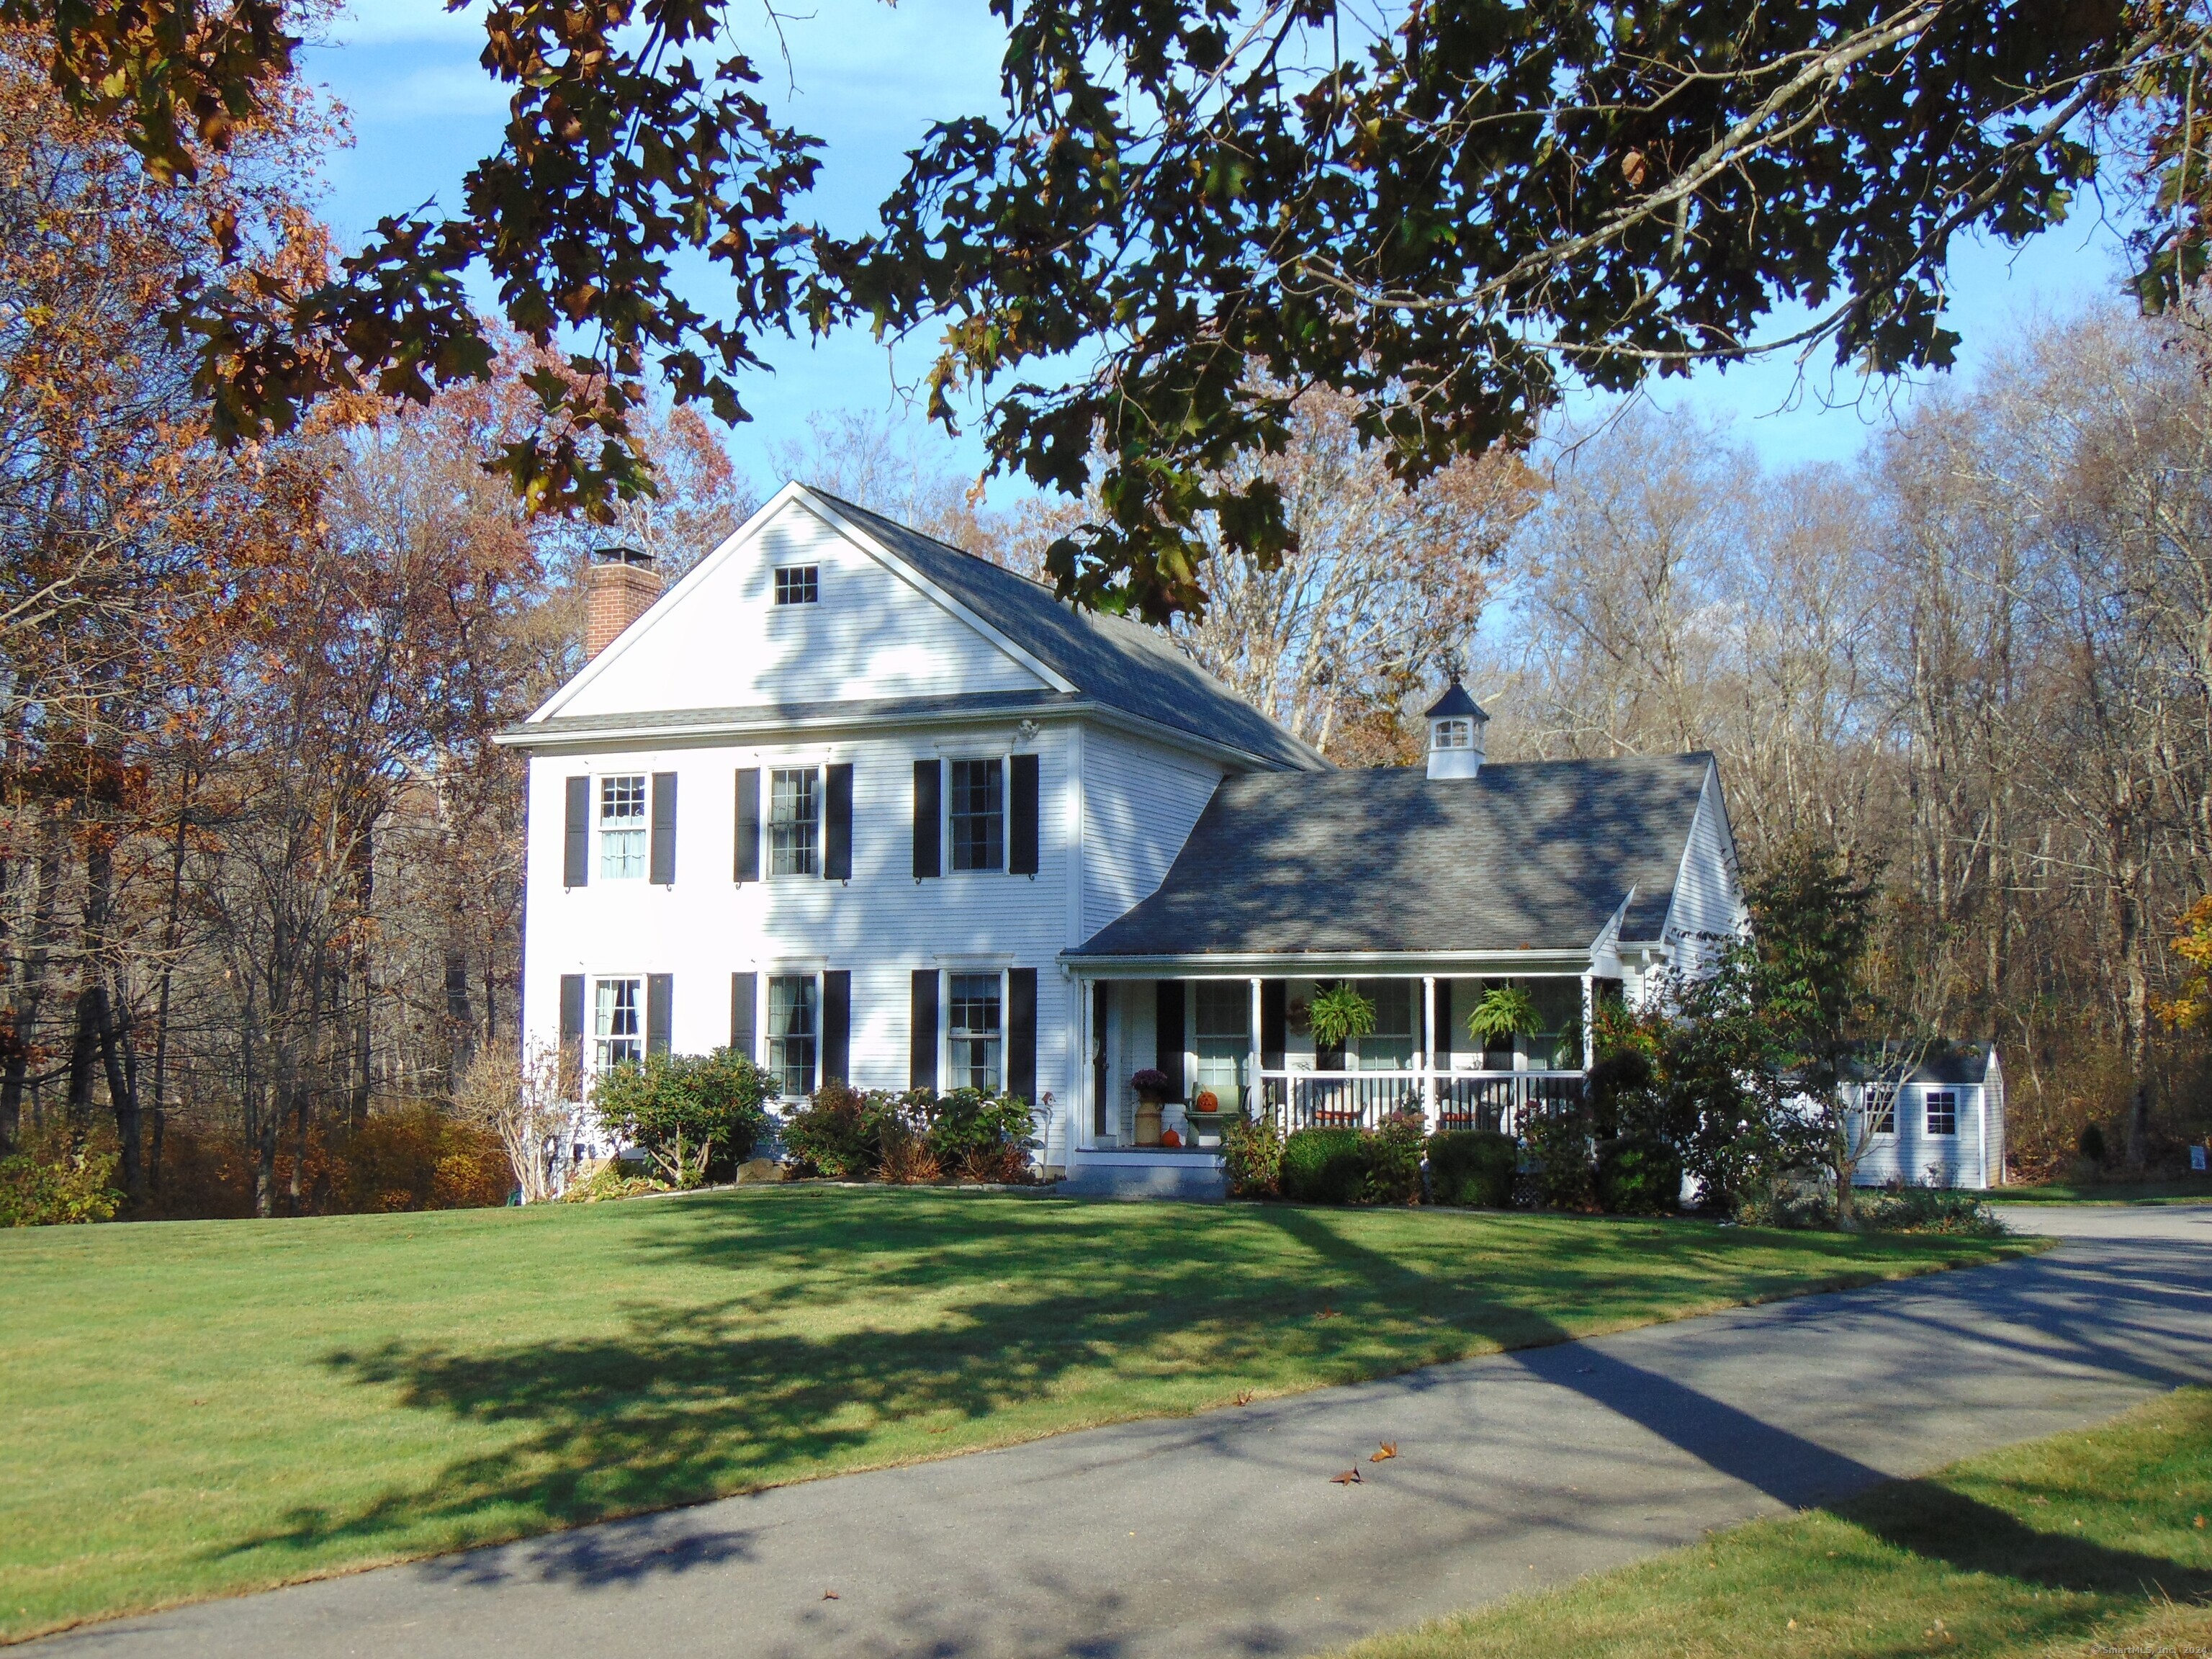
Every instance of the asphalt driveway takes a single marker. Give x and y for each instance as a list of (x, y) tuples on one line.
[(1225, 1535)]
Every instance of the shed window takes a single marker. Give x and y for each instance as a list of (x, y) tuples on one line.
[(792, 1030), (794, 822), (622, 827), (975, 1031), (1881, 1109), (798, 584), (979, 798), (1943, 1112)]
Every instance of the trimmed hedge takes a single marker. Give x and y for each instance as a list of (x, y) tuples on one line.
[(1322, 1166), (1474, 1168)]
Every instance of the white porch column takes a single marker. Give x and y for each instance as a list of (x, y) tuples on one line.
[(1589, 1022), (1255, 1092), (1429, 1053)]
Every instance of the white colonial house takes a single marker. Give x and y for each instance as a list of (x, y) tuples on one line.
[(870, 808)]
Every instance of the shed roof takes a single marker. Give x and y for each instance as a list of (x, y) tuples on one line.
[(1535, 854)]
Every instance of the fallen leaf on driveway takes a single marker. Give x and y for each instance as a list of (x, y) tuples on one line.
[(829, 1595), (1349, 1477), (1385, 1453)]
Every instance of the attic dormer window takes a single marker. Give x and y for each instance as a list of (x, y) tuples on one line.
[(1455, 734), (798, 584)]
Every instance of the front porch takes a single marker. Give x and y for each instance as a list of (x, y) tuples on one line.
[(1247, 1042)]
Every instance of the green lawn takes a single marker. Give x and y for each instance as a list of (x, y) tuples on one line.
[(199, 1407), (2183, 1189), (2090, 1544)]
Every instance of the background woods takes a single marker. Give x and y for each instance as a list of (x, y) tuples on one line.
[(1975, 662)]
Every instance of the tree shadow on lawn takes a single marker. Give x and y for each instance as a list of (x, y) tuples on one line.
[(1034, 1303)]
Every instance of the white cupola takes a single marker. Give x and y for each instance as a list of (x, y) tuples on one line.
[(1456, 723)]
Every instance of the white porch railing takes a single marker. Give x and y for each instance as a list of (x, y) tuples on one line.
[(1501, 1101)]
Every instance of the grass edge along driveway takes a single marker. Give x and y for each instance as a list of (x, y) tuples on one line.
[(2091, 1543), (198, 1409)]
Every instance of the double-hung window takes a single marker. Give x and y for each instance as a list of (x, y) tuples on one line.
[(1222, 1022), (794, 822), (1943, 1112), (975, 1032), (979, 815), (793, 1027), (617, 1024), (622, 827)]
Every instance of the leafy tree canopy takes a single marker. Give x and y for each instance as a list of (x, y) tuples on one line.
[(1438, 218)]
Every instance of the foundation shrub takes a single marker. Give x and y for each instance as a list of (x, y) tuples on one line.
[(1638, 1175), (1560, 1144), (831, 1135), (1474, 1168), (1322, 1166), (980, 1137), (1926, 1210), (698, 1116), (1390, 1161), (1252, 1153)]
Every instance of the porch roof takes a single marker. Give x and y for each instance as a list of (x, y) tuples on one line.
[(1533, 855)]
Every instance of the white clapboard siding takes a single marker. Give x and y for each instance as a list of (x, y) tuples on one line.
[(881, 925), (1139, 802), (1914, 1157), (719, 641), (1708, 898)]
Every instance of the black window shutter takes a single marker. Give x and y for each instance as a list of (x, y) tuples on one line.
[(1021, 1032), (744, 991), (928, 822), (1274, 1022), (658, 990), (746, 865), (837, 825), (1167, 1013), (921, 1038), (576, 835), (663, 870), (572, 1036), (1443, 1037), (837, 1026), (1022, 818)]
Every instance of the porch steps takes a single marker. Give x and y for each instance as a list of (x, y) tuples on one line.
[(1203, 1183)]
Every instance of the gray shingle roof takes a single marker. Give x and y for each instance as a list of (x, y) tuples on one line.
[(1122, 664), (1538, 853)]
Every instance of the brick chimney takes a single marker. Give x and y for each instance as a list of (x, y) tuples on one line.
[(622, 585)]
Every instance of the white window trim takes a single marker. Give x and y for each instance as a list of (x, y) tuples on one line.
[(764, 1001), (1928, 1097), (948, 757), (995, 967), (775, 604), (591, 1068), (598, 824), (820, 769)]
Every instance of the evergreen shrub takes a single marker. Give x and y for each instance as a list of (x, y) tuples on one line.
[(1638, 1175), (1473, 1168)]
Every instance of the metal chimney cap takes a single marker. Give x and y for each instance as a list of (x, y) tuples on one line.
[(620, 555)]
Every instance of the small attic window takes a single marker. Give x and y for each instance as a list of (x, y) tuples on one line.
[(798, 584), (1455, 733)]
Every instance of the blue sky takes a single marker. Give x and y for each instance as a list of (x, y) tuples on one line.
[(868, 78)]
